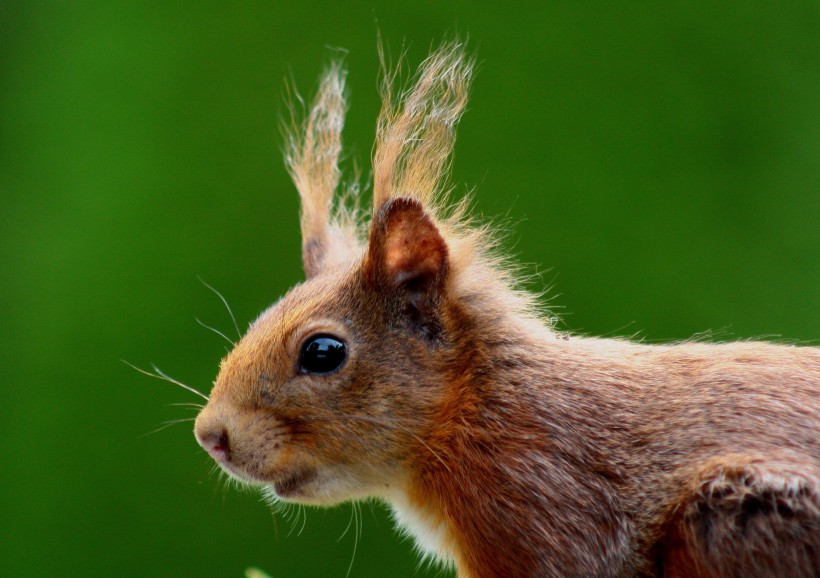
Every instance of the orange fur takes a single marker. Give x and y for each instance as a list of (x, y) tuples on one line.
[(503, 447)]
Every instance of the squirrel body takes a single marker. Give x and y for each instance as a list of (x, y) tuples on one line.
[(409, 367)]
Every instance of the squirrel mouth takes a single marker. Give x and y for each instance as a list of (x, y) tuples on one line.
[(291, 486)]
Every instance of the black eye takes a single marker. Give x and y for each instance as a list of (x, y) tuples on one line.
[(322, 354)]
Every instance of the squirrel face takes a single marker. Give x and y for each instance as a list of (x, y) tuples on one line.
[(325, 397)]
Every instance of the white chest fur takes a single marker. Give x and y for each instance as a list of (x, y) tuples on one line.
[(427, 529)]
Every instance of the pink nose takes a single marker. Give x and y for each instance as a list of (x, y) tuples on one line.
[(215, 443)]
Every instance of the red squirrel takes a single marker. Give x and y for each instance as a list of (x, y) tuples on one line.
[(410, 367)]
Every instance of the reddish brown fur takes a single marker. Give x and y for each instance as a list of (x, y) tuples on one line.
[(503, 447)]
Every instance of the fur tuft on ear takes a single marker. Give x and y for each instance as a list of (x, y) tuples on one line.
[(417, 127), (314, 145)]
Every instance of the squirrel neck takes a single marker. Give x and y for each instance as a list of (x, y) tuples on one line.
[(508, 440)]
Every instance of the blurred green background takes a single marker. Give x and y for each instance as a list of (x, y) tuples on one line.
[(658, 161)]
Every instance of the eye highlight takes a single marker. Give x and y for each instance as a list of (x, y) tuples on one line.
[(321, 354)]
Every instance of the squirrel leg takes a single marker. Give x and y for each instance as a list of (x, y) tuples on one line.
[(744, 520)]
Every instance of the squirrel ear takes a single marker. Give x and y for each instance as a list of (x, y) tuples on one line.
[(407, 252)]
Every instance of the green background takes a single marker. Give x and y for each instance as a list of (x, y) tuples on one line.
[(658, 161)]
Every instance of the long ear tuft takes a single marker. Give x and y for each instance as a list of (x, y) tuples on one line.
[(314, 145), (431, 250), (416, 130)]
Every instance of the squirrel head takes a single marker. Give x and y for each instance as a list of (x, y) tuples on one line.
[(332, 391)]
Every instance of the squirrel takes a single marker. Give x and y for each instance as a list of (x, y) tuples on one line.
[(409, 366)]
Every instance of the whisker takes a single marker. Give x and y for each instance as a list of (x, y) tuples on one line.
[(158, 374), (196, 406), (361, 518), (228, 307), (291, 514), (215, 330), (349, 524), (220, 481), (304, 519), (223, 487), (296, 515), (168, 424), (356, 533)]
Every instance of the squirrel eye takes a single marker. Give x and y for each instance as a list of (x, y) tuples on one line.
[(322, 354)]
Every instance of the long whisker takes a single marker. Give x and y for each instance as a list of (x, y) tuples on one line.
[(158, 374), (292, 514), (215, 330), (349, 524), (228, 307), (304, 519), (356, 533), (168, 424), (221, 481), (297, 514), (196, 406)]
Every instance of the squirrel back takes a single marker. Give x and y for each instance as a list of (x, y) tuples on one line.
[(408, 366)]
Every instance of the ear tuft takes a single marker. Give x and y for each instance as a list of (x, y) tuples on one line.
[(406, 249), (314, 145)]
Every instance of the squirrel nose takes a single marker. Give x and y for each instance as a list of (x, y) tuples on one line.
[(215, 442)]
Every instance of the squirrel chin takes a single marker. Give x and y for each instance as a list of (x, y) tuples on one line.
[(300, 486), (296, 485)]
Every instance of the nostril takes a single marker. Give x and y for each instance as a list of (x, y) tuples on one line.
[(216, 443)]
